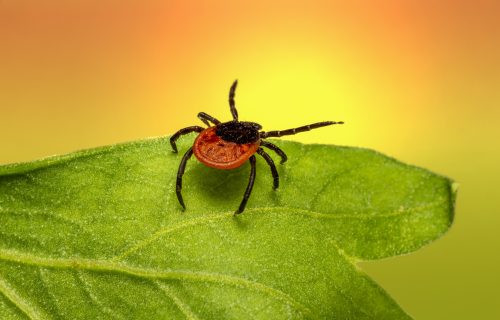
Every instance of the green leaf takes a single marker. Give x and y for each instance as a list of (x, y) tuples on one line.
[(99, 234)]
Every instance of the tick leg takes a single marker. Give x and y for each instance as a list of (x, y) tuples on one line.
[(182, 167), (279, 133), (276, 149), (234, 112), (249, 187), (270, 162), (182, 132), (206, 118)]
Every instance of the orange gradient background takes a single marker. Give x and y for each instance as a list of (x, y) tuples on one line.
[(417, 80)]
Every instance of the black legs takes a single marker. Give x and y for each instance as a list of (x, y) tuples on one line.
[(206, 118), (248, 191), (203, 117), (182, 132), (182, 168), (251, 180), (276, 149), (274, 172), (234, 112), (287, 132), (180, 172)]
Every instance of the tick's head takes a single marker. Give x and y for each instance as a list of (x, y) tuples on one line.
[(239, 132)]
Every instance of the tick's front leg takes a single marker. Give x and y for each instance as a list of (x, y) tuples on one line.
[(183, 132), (180, 173)]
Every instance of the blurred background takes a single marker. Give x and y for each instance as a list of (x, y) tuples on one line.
[(417, 80)]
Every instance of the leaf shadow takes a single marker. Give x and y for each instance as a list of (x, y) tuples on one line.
[(215, 186), (213, 190)]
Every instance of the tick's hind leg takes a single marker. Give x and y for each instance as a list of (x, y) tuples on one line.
[(270, 162), (180, 172), (276, 149), (206, 118), (249, 187), (183, 132)]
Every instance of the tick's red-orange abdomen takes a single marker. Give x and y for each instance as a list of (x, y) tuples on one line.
[(214, 152)]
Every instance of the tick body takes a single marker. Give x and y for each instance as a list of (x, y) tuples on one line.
[(230, 144), (213, 151)]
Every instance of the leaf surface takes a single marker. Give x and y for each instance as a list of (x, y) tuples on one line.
[(99, 234)]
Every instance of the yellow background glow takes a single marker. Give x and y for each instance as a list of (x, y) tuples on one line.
[(417, 80)]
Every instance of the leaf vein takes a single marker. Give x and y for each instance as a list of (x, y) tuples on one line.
[(329, 180), (194, 221), (52, 298), (18, 301), (106, 266), (166, 230), (182, 306), (87, 289)]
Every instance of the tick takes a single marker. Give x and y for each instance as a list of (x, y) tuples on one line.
[(228, 145)]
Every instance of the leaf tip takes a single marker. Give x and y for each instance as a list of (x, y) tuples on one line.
[(454, 186)]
